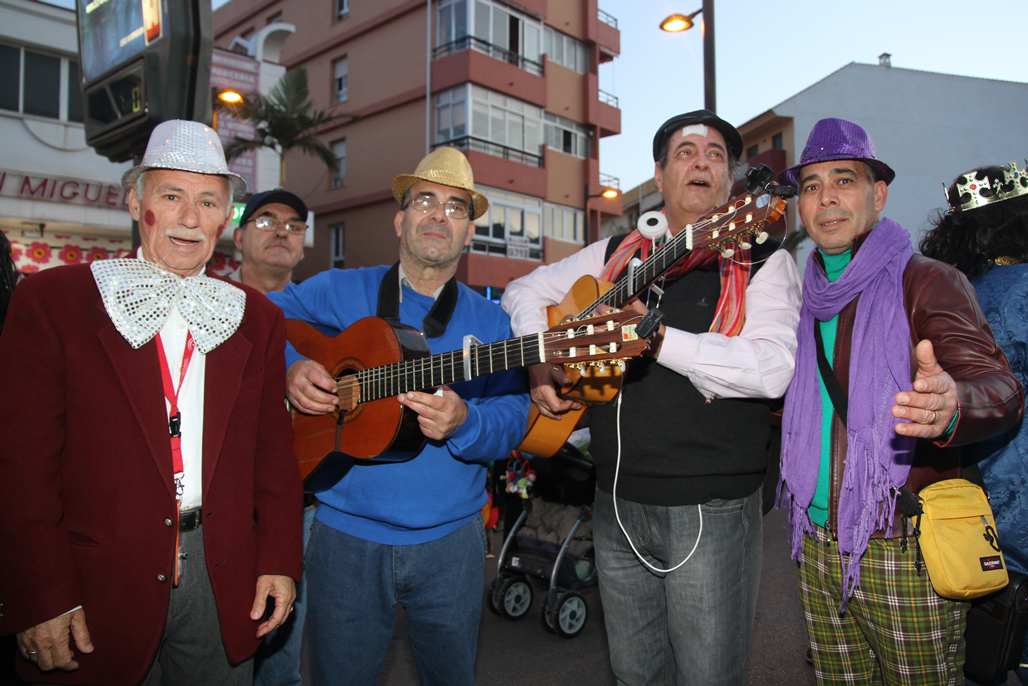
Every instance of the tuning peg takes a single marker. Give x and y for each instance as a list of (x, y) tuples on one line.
[(727, 252), (745, 245), (761, 237)]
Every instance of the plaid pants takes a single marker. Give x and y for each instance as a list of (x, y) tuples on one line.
[(896, 629)]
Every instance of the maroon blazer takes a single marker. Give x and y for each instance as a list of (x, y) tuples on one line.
[(86, 476)]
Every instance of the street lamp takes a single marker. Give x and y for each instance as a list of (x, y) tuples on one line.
[(680, 22), (605, 193)]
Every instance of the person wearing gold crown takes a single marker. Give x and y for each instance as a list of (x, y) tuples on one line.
[(149, 495), (408, 532), (985, 235), (895, 367)]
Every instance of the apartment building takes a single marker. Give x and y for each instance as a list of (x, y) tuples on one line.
[(513, 85)]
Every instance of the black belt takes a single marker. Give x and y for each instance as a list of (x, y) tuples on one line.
[(189, 520)]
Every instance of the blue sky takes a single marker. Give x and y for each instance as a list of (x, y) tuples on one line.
[(767, 52)]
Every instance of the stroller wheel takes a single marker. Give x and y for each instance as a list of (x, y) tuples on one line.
[(490, 597), (544, 617), (514, 597), (568, 615)]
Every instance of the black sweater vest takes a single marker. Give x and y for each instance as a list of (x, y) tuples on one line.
[(677, 449)]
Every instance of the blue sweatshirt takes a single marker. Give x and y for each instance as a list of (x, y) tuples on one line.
[(443, 486)]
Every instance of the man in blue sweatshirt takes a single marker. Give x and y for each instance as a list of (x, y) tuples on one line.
[(408, 532)]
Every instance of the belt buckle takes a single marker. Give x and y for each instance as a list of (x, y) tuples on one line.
[(189, 520)]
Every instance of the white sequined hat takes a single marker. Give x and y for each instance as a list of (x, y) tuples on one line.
[(186, 146)]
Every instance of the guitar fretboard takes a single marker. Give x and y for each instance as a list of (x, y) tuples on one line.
[(448, 368), (659, 261)]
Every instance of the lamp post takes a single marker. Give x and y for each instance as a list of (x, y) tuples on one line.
[(680, 22), (605, 193)]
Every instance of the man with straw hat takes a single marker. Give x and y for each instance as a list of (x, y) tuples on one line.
[(895, 365), (149, 496), (409, 532)]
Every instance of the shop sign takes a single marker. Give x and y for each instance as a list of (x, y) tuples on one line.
[(63, 190)]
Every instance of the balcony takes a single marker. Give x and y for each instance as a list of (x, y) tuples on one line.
[(610, 181), (479, 45), (607, 99), (608, 37), (494, 149)]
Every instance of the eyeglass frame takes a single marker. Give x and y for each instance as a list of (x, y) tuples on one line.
[(276, 222), (448, 205)]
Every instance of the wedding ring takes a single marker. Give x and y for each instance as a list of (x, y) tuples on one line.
[(935, 416), (30, 653)]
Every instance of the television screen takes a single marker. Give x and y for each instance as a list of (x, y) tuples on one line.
[(115, 31)]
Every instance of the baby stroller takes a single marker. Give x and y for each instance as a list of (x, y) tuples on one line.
[(560, 509)]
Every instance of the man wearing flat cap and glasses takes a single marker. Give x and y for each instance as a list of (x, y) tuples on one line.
[(270, 238), (896, 365), (681, 455), (149, 495), (408, 532)]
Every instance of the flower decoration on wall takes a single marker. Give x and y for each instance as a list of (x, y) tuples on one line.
[(97, 253), (39, 252), (70, 254)]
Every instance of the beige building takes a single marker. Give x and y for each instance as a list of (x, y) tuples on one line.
[(512, 85)]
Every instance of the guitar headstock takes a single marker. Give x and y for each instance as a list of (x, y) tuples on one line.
[(736, 222), (610, 337)]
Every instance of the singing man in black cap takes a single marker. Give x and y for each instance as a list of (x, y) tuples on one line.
[(680, 455)]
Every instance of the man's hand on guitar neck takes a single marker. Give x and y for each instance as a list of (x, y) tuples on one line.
[(438, 415), (543, 380), (304, 383)]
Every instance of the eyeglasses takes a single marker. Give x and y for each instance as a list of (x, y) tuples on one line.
[(427, 203), (267, 223)]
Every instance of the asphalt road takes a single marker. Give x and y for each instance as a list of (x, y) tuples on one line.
[(521, 653)]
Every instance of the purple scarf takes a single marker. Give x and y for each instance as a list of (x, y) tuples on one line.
[(878, 459)]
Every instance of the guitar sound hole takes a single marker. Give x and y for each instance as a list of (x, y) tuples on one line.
[(348, 388)]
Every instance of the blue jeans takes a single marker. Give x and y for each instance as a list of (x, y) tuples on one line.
[(354, 584), (277, 662), (693, 625)]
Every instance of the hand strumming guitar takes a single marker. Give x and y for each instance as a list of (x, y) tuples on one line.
[(543, 380), (305, 384)]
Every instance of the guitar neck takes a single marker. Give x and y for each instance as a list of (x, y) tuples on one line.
[(659, 261), (448, 368)]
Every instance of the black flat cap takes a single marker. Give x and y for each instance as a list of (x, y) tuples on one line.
[(732, 137), (278, 195)]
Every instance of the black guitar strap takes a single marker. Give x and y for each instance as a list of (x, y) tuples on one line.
[(434, 323)]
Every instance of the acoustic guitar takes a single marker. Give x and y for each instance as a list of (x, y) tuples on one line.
[(374, 360), (733, 222)]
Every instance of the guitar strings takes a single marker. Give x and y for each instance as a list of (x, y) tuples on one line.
[(379, 381)]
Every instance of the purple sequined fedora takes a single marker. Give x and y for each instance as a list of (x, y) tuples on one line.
[(838, 139)]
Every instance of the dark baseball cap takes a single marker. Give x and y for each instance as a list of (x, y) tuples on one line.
[(278, 195), (732, 137)]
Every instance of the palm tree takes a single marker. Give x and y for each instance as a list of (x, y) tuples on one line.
[(285, 119)]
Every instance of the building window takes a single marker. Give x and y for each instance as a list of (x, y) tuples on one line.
[(566, 136), (752, 151), (339, 80), (40, 84), (499, 125), (563, 223), (496, 30), (776, 142), (511, 227), (565, 51), (339, 177), (342, 8), (337, 231)]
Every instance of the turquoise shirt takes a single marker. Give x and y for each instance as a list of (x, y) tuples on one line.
[(835, 265)]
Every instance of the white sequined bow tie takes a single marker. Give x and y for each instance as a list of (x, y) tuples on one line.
[(138, 296)]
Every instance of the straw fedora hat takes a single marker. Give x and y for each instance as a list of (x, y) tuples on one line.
[(446, 166), (185, 146)]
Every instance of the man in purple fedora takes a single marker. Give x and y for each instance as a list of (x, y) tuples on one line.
[(909, 371)]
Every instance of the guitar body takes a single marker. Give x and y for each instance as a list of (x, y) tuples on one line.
[(593, 387), (381, 428)]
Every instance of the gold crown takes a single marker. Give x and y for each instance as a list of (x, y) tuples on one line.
[(980, 192)]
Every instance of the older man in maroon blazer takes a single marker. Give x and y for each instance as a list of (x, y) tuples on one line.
[(149, 497)]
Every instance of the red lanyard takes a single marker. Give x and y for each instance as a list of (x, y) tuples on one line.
[(175, 427), (174, 415)]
